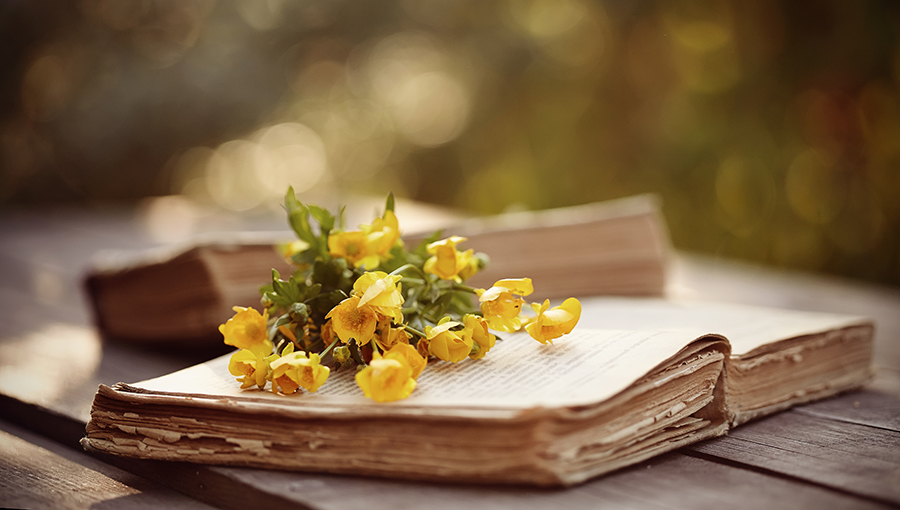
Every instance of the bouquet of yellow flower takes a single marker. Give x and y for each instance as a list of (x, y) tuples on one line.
[(360, 300)]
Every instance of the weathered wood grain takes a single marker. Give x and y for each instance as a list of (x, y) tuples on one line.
[(845, 456), (871, 408), (74, 361), (49, 476), (670, 481), (723, 486)]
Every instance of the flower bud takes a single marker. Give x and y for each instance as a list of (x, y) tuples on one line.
[(341, 353), (299, 313)]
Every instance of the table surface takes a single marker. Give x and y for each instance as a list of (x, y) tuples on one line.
[(838, 453)]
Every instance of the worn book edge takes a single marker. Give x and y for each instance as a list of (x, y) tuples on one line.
[(560, 444)]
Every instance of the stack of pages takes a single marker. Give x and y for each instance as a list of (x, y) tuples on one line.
[(658, 375)]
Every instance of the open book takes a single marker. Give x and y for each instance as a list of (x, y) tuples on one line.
[(779, 358), (183, 293), (595, 401)]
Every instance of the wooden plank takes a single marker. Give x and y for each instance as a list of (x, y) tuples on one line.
[(217, 486), (845, 456), (872, 408), (74, 360), (44, 475), (670, 481), (723, 486)]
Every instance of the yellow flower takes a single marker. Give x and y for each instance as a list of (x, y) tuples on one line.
[(387, 378), (327, 333), (350, 319), (502, 303), (387, 337), (288, 332), (416, 361), (380, 291), (447, 345), (446, 261), (476, 328), (475, 264), (247, 330), (422, 348), (249, 368), (295, 369), (289, 249), (555, 322), (383, 233), (355, 246)]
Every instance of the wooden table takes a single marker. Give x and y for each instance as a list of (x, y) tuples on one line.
[(839, 453)]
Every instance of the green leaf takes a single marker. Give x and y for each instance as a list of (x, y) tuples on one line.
[(284, 293), (389, 204), (313, 291), (282, 320), (299, 220), (326, 274), (461, 304), (298, 217), (421, 249), (325, 218), (291, 203), (304, 257)]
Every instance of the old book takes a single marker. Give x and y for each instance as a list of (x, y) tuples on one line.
[(620, 247), (180, 294), (183, 293), (597, 400), (779, 358)]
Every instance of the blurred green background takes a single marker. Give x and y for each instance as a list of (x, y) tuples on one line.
[(771, 129)]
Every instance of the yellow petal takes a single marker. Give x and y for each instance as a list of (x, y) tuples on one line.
[(520, 286), (441, 327)]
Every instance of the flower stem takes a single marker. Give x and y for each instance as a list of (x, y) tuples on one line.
[(413, 330), (328, 349), (464, 288), (406, 267)]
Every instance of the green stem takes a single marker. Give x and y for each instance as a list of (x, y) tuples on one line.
[(413, 330), (400, 269), (374, 345), (328, 349), (464, 288), (406, 267)]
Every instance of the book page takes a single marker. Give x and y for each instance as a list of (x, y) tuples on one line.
[(746, 327), (585, 367)]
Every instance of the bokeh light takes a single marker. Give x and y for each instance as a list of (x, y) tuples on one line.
[(770, 129)]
